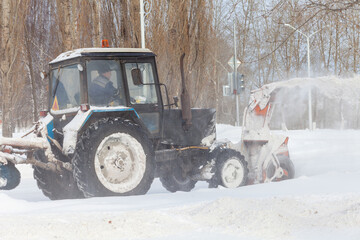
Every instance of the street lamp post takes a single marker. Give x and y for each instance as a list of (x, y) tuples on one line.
[(145, 8), (309, 71), (142, 24)]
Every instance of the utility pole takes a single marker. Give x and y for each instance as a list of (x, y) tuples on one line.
[(235, 80), (234, 86), (309, 76)]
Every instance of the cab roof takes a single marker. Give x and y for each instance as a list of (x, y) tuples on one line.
[(103, 52)]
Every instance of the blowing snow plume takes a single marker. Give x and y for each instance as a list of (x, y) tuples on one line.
[(332, 87), (335, 101)]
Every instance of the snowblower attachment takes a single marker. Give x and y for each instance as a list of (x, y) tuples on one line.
[(267, 153)]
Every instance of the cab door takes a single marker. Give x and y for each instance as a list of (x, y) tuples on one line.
[(145, 98)]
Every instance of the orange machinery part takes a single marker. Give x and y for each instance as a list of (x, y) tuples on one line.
[(262, 112)]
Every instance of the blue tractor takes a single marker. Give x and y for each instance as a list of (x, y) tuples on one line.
[(110, 129)]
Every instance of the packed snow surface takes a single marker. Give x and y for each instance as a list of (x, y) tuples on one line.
[(322, 202)]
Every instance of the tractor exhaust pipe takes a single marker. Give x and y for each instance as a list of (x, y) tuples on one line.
[(185, 99)]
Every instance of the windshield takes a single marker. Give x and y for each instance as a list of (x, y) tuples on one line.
[(105, 84), (65, 92)]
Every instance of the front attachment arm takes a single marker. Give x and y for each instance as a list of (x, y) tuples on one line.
[(20, 150)]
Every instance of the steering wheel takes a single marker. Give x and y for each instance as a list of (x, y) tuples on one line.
[(117, 98)]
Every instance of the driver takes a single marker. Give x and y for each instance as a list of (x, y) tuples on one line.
[(101, 89)]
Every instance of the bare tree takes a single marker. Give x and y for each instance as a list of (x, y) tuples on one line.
[(11, 37), (335, 6), (64, 23)]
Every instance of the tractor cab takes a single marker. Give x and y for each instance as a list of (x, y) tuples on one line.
[(106, 78)]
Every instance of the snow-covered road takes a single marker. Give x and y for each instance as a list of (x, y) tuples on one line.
[(322, 202)]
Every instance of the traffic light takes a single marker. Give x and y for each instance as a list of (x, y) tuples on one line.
[(234, 87), (238, 84)]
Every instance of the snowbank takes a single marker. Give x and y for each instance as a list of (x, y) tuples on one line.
[(322, 202)]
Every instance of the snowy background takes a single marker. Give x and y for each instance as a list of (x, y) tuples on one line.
[(322, 202)]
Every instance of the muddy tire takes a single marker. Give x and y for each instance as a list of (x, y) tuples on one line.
[(114, 157), (173, 181), (230, 170), (9, 176), (55, 185)]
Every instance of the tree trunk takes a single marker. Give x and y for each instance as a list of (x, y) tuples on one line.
[(31, 78), (64, 23), (96, 16), (11, 39), (6, 64)]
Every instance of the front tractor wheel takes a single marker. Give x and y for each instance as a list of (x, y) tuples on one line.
[(55, 185), (230, 170), (114, 157), (174, 180)]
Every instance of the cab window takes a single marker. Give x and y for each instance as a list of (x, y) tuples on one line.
[(65, 92), (105, 85), (141, 93)]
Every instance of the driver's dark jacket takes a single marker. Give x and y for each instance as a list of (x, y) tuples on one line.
[(101, 91)]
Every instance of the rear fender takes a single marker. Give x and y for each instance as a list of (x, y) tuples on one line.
[(83, 119)]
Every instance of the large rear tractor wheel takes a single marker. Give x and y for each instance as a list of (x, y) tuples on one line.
[(55, 185), (9, 176), (174, 180), (230, 170), (114, 157)]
